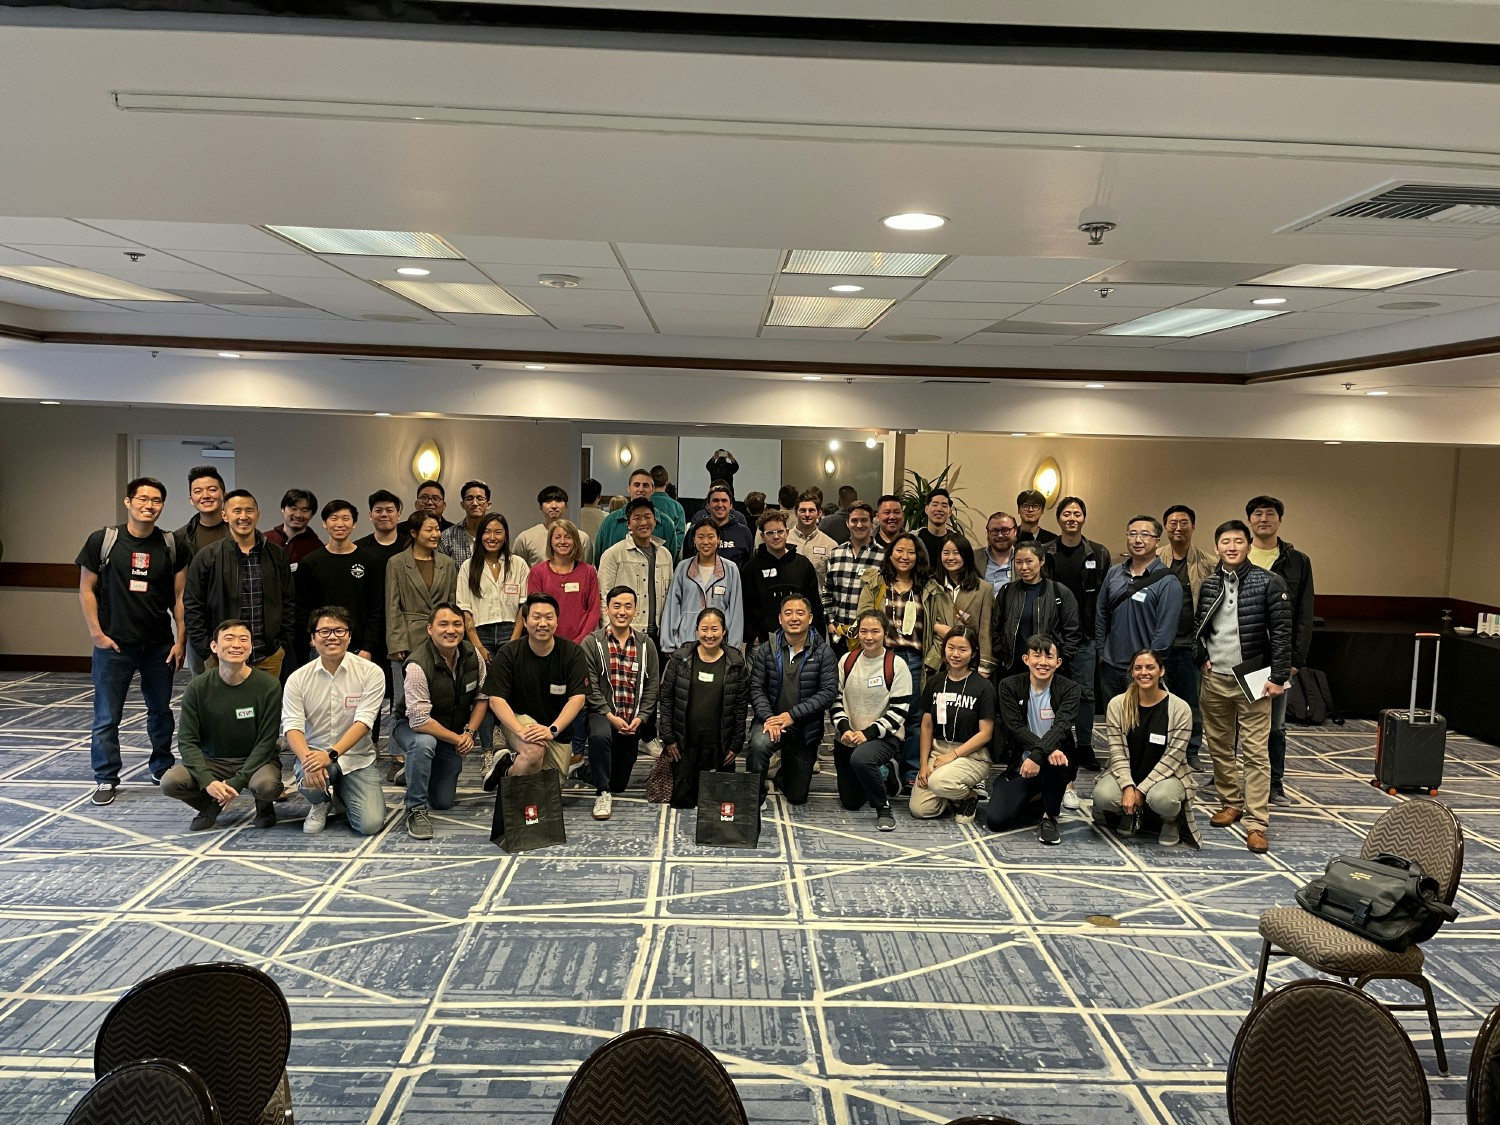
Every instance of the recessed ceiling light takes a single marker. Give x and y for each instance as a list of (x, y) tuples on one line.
[(534, 366), (229, 355), (606, 327), (459, 297), (870, 443), (412, 271), (1346, 277), (50, 402), (375, 243), (812, 378), (1093, 386), (861, 263), (914, 220), (846, 289), (1187, 322), (1269, 301), (382, 413), (1377, 394), (84, 283), (826, 312), (1402, 306)]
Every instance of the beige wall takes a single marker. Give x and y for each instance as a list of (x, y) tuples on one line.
[(1342, 501), (60, 477), (802, 465)]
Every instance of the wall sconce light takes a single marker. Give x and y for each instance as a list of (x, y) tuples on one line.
[(834, 445), (427, 462), (626, 456), (830, 466), (1048, 480), (871, 443)]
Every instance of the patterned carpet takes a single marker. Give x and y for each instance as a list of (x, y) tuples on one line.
[(844, 976)]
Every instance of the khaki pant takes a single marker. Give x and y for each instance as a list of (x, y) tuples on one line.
[(1228, 719), (952, 782), (531, 758), (1164, 798)]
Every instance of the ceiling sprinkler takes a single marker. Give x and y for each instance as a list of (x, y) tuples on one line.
[(1095, 222)]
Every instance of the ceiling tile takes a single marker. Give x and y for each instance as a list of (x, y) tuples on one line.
[(1244, 296), (960, 310), (11, 256), (281, 311), (706, 302), (914, 336), (1136, 296), (533, 251), (55, 232), (1087, 315), (159, 307), (33, 297), (499, 323), (1474, 283), (698, 259), (1373, 303), (893, 321), (665, 281), (564, 301), (195, 236), (1016, 339), (1330, 323), (112, 260), (384, 269), (179, 279), (778, 332), (1007, 292), (1211, 275), (578, 318), (346, 295), (525, 277), (235, 264), (817, 285), (1122, 341), (1063, 271), (686, 323)]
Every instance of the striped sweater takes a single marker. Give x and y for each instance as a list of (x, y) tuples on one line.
[(865, 703)]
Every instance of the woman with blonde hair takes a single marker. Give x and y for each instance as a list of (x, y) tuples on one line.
[(1148, 729)]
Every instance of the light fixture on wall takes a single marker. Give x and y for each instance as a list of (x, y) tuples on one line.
[(830, 466), (870, 443), (1048, 480), (833, 446), (626, 455), (427, 462)]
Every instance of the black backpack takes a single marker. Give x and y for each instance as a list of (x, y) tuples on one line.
[(1309, 700), (1386, 899)]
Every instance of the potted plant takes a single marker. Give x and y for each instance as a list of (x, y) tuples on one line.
[(916, 492)]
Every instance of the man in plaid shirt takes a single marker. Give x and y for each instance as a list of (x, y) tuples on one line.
[(847, 564), (623, 678)]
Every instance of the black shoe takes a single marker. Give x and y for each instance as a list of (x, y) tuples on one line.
[(265, 814), (884, 821), (104, 793), (905, 789), (395, 772), (205, 819), (498, 769), (1047, 831), (1278, 796), (156, 777), (963, 811)]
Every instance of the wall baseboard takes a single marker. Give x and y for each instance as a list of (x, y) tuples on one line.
[(22, 662)]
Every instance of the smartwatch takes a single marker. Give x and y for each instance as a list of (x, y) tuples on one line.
[(553, 730)]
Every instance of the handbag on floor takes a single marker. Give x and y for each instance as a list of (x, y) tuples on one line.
[(659, 781), (728, 810), (528, 812), (1386, 899)]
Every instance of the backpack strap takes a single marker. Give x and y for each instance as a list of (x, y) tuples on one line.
[(848, 666), (1144, 582), (890, 669), (111, 537)]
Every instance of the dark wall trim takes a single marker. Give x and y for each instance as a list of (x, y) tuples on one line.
[(1425, 610), (14, 662), (39, 576)]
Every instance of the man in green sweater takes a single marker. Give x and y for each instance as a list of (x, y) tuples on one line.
[(227, 737)]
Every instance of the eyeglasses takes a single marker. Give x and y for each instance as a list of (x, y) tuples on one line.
[(770, 531), (331, 634), (475, 499), (154, 501), (1141, 535)]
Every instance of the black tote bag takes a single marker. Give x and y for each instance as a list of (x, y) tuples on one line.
[(728, 809), (528, 812)]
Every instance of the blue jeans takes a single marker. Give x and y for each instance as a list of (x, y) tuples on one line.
[(494, 637), (432, 768), (112, 672), (1081, 671), (364, 803), (1185, 679), (911, 745), (1276, 742)]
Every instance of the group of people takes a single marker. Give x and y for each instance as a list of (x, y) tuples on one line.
[(952, 676)]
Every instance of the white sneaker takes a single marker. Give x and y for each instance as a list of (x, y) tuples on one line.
[(603, 806), (1070, 798), (317, 817), (652, 748)]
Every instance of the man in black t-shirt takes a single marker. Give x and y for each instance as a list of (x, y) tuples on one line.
[(1080, 564), (536, 689), (130, 586), (342, 573)]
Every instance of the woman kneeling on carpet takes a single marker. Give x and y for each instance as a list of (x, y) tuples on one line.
[(1148, 731), (705, 690)]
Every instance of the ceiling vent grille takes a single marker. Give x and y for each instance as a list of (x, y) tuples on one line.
[(1461, 211)]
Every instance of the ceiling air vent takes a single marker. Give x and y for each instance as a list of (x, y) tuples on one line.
[(1412, 211)]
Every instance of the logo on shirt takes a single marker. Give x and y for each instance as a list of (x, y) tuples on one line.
[(726, 810), (357, 570)]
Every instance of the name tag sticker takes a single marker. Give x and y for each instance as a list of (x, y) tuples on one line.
[(706, 677), (558, 689), (1090, 564), (294, 568), (471, 685), (351, 702), (512, 588), (1138, 596), (768, 573), (244, 712), (137, 586), (875, 680), (1045, 713), (1158, 739), (572, 587), (718, 591), (820, 550)]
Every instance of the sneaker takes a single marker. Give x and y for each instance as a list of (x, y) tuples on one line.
[(1130, 824), (1047, 831), (498, 769), (205, 819), (892, 784), (156, 778), (604, 805), (104, 793), (981, 793), (1171, 834), (884, 820), (394, 767), (489, 760), (575, 763), (398, 776), (1278, 796), (963, 811), (317, 817), (418, 823), (817, 766), (1070, 798), (652, 748), (265, 815), (1194, 762)]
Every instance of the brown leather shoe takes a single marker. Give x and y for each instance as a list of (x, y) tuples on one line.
[(1256, 841), (1225, 817)]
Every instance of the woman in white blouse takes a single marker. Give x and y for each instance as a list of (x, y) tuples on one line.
[(491, 584)]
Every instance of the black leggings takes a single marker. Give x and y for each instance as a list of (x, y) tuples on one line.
[(1011, 794)]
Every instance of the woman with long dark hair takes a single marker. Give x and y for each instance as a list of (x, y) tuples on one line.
[(702, 580), (957, 727), (972, 597), (705, 689), (491, 584)]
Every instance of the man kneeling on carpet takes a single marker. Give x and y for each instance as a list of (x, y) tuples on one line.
[(1149, 729), (227, 737), (1037, 709)]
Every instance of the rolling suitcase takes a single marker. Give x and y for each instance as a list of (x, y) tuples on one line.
[(1409, 744)]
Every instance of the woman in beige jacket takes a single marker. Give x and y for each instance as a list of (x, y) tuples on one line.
[(416, 581)]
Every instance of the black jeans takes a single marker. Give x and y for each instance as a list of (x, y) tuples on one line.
[(612, 755), (860, 780), (799, 751), (1012, 793)]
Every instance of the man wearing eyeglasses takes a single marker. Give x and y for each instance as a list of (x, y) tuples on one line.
[(458, 541), (327, 711), (773, 572), (1137, 608), (131, 593), (999, 550)]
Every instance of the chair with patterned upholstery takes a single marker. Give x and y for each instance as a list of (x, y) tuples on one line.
[(228, 1022), (1319, 1051), (1421, 829), (647, 1077), (1484, 1073), (147, 1092)]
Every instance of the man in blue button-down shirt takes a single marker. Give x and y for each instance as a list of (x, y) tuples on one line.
[(1138, 607)]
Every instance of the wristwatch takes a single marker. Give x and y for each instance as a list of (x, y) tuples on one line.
[(553, 730)]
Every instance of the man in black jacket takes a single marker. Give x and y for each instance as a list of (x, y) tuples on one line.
[(773, 572), (1295, 569), (793, 681), (1028, 605), (1080, 564), (1244, 620), (1037, 709)]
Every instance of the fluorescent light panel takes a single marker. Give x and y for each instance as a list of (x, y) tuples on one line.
[(376, 243), (826, 312), (1187, 322), (459, 297), (1346, 277), (84, 283), (862, 263)]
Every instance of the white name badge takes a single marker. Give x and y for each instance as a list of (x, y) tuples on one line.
[(1090, 564), (1159, 739), (718, 591), (706, 677), (138, 587), (876, 680), (1138, 596), (512, 588), (572, 587), (820, 550), (768, 573), (471, 685), (1045, 713), (351, 702), (558, 689), (294, 568), (244, 712)]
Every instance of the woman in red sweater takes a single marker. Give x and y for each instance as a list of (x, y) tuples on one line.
[(573, 582)]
